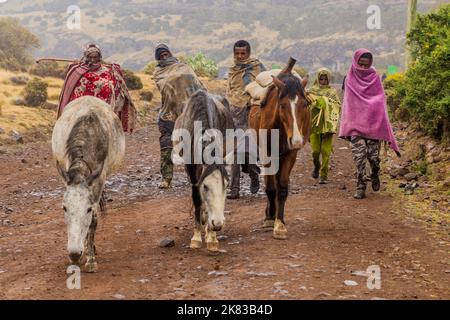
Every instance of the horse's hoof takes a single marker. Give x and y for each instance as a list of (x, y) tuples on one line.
[(91, 267), (212, 246), (268, 223), (280, 235), (279, 231), (195, 244)]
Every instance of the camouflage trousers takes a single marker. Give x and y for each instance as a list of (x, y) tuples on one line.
[(166, 168), (165, 143), (364, 150)]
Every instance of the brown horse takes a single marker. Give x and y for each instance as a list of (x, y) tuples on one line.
[(285, 109)]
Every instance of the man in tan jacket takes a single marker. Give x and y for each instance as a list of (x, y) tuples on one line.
[(243, 72)]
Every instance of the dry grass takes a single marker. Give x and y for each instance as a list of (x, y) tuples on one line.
[(20, 118), (28, 120)]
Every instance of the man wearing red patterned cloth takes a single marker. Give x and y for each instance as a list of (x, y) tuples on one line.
[(92, 77)]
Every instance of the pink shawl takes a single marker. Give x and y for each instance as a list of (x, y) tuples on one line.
[(76, 71), (364, 111)]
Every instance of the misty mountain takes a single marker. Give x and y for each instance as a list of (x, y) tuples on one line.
[(317, 33)]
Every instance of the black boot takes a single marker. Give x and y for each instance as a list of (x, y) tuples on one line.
[(254, 185), (254, 176), (375, 182), (234, 194), (235, 184), (315, 173), (360, 194), (323, 180)]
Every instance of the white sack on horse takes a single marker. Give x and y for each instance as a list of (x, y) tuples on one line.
[(259, 88)]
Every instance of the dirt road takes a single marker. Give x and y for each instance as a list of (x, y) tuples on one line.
[(331, 236)]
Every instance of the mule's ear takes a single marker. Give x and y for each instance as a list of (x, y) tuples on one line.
[(62, 172), (278, 83), (94, 175), (305, 82)]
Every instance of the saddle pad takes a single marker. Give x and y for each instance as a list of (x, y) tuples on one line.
[(259, 88)]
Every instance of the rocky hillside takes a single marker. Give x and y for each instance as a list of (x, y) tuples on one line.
[(316, 32)]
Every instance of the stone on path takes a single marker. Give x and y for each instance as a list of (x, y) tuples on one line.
[(167, 243), (350, 283)]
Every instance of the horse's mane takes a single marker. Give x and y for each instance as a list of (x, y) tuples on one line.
[(292, 86), (85, 146), (210, 169), (200, 107)]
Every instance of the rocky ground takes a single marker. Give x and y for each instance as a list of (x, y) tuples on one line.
[(333, 239)]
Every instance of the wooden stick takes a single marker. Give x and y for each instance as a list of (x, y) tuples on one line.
[(66, 60), (56, 59)]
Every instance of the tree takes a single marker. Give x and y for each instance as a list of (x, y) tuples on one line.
[(16, 42), (412, 15), (426, 88)]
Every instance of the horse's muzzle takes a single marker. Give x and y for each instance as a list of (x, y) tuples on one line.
[(75, 256), (295, 143), (214, 227)]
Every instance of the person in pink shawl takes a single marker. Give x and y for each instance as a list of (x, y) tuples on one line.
[(364, 119)]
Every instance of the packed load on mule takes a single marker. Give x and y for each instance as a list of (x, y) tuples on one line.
[(91, 76), (88, 144), (285, 110), (259, 88), (176, 82)]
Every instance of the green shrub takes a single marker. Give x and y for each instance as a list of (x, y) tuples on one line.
[(19, 80), (49, 69), (35, 93), (203, 66), (427, 85), (133, 81), (421, 167), (16, 45), (146, 95), (395, 93), (150, 68), (182, 58), (425, 90)]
